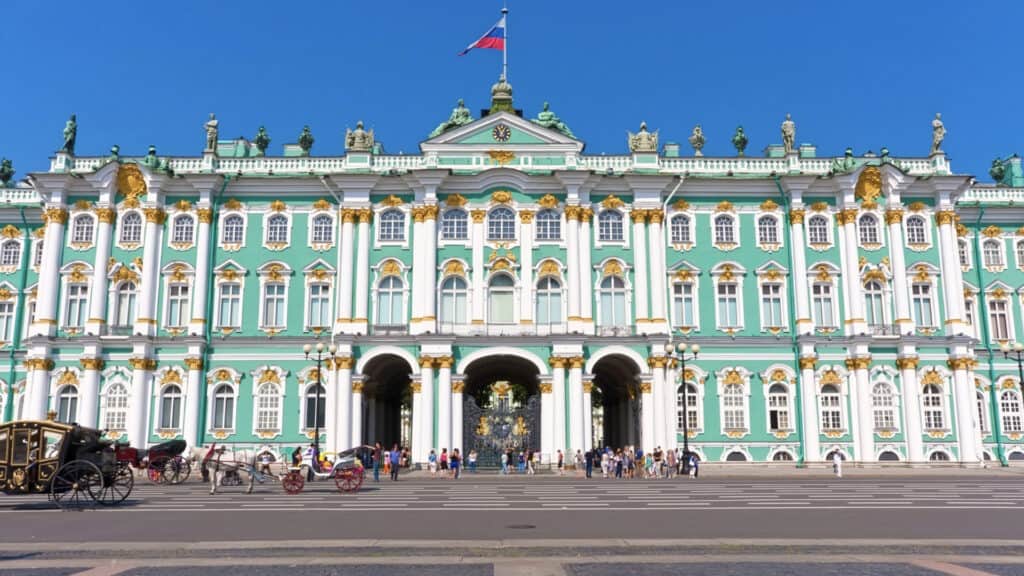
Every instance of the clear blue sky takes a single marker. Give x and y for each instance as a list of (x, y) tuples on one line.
[(862, 74)]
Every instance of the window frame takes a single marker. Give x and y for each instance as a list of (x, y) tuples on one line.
[(811, 230), (277, 230), (402, 292), (780, 287), (1007, 416), (213, 410), (768, 244), (68, 393), (267, 391), (503, 229), (454, 218), (612, 291), (107, 412), (308, 395), (874, 229), (320, 243), (728, 396), (227, 243), (694, 287), (987, 254), (178, 239), (123, 241), (162, 417), (550, 217), (940, 410), (695, 417), (554, 296), (237, 324), (788, 395), (512, 290), (120, 292), (879, 407), (832, 408), (82, 242), (607, 222), (326, 298), (925, 231), (396, 220), (732, 239)]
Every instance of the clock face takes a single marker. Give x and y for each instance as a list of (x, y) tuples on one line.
[(501, 133)]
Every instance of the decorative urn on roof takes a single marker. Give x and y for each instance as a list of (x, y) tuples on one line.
[(501, 96)]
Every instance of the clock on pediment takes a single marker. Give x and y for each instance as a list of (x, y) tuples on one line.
[(501, 133)]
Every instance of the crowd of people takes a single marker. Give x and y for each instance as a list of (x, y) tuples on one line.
[(631, 462)]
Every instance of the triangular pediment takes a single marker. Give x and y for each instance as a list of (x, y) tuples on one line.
[(489, 133)]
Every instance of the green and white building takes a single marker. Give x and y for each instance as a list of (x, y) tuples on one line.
[(852, 303)]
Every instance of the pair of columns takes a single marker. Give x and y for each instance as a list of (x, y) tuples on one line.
[(352, 235), (446, 430)]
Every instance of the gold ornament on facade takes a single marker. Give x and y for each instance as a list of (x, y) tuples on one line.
[(430, 212), (612, 268), (55, 215), (822, 273), (526, 216), (725, 206), (572, 212), (454, 268), (148, 364), (932, 377), (275, 272), (10, 231), (458, 386), (807, 362), (501, 197), (916, 206), (576, 362), (847, 216), (922, 273), (501, 264), (945, 217), (77, 273), (796, 216), (550, 268), (82, 205), (639, 216), (205, 215), (645, 388), (232, 204), (268, 375), (612, 201), (365, 216), (772, 274), (171, 377), (830, 376), (588, 387), (858, 363), (681, 205), (92, 363), (501, 157), (5, 293), (277, 206), (194, 363), (655, 216), (130, 181), (778, 375), (478, 215), (683, 275), (322, 205), (125, 274), (907, 362), (732, 377), (417, 214), (992, 231), (155, 215), (819, 207), (545, 388), (869, 187), (105, 215), (392, 200), (769, 205), (548, 201), (444, 361), (999, 293), (67, 377), (727, 274), (893, 216), (455, 200), (390, 268), (229, 274), (183, 205), (557, 362), (874, 275)]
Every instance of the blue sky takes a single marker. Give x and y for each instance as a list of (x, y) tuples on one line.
[(862, 74)]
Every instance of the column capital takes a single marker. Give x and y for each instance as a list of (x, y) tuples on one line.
[(586, 214), (92, 363), (796, 216), (945, 217), (526, 216), (105, 215), (426, 362), (443, 361), (963, 363), (194, 363), (416, 387), (430, 212), (478, 215), (148, 364), (44, 364), (655, 216), (458, 386), (808, 362), (576, 362), (558, 361), (344, 362), (907, 362), (847, 216), (545, 387), (588, 387), (858, 363), (639, 216), (57, 214), (572, 212), (657, 362), (893, 216), (348, 215), (645, 388), (365, 215), (205, 215), (155, 215), (357, 387)]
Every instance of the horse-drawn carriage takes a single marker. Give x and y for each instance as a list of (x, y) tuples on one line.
[(163, 462), (72, 464), (347, 471)]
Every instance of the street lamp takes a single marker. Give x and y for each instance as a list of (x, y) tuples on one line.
[(678, 352), (1015, 350), (319, 356)]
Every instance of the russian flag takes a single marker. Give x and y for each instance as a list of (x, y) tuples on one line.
[(494, 38)]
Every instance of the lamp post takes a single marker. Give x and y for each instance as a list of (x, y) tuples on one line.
[(319, 356), (678, 352), (1015, 350)]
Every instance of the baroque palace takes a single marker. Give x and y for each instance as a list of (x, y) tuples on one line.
[(502, 288)]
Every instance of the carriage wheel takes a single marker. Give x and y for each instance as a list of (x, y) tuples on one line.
[(76, 484), (349, 480), (293, 482), (175, 471), (155, 470), (118, 487)]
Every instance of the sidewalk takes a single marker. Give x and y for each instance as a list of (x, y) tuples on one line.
[(772, 471)]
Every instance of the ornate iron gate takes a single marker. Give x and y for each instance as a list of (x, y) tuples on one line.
[(501, 426)]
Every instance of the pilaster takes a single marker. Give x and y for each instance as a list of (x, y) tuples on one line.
[(98, 283), (145, 321), (457, 389), (201, 284), (586, 271), (193, 395), (547, 420), (38, 392), (640, 265), (361, 319), (478, 294), (89, 392), (576, 417), (346, 403), (139, 400), (647, 436), (659, 275), (907, 363), (572, 244), (427, 421), (864, 430), (56, 218), (657, 365), (560, 404), (809, 403), (526, 266), (346, 250), (445, 423)]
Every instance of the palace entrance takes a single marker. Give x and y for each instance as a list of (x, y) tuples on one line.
[(501, 409), (387, 402), (615, 402)]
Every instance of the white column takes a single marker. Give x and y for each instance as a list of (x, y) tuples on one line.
[(419, 246), (346, 407), (428, 309), (444, 403), (477, 293), (457, 416), (547, 422), (640, 265), (419, 443), (804, 325), (572, 244), (953, 294), (865, 431), (427, 393), (98, 283), (894, 219), (809, 405), (854, 300), (575, 406), (193, 400), (526, 266), (356, 425), (966, 411), (588, 416), (669, 401), (658, 274), (560, 403), (658, 371), (89, 392), (329, 380), (38, 393), (201, 281), (363, 267), (586, 271), (344, 275), (139, 401), (912, 429), (646, 416), (56, 218), (145, 321)]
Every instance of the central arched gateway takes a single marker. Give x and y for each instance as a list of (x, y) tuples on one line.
[(501, 407), (387, 401), (615, 402)]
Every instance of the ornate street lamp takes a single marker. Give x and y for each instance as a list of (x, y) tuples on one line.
[(678, 352), (332, 350), (1015, 350)]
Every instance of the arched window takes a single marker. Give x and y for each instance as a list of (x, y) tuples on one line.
[(234, 227), (883, 406), (734, 413), (817, 229), (778, 408), (549, 225), (273, 305), (549, 301), (389, 301), (268, 407), (768, 230), (454, 300), (979, 405), (915, 230), (680, 225), (1020, 254), (67, 404), (319, 305), (609, 226), (501, 300), (501, 224), (277, 229), (831, 408), (938, 456), (964, 253), (934, 414), (323, 229), (81, 229), (724, 233), (454, 225), (223, 408), (392, 226), (782, 456), (124, 304), (690, 401), (992, 254), (77, 305), (315, 407), (115, 411), (613, 301), (874, 312), (1010, 409), (736, 457), (888, 456), (184, 229), (131, 228), (170, 408), (868, 228), (10, 253)]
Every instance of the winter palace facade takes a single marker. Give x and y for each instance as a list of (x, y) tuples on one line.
[(502, 288)]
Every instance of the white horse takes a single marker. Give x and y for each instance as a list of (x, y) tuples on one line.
[(216, 461)]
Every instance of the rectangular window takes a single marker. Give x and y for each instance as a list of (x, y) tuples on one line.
[(778, 412), (273, 306), (78, 296), (6, 321), (921, 296), (177, 305), (999, 318), (319, 306), (230, 305), (822, 305), (728, 306), (771, 305), (682, 309), (831, 412)]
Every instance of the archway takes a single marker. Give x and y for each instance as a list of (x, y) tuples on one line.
[(615, 402), (387, 401), (501, 407)]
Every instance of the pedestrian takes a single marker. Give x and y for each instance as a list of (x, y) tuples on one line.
[(604, 463), (309, 459), (396, 458), (672, 463), (522, 462), (455, 462), (376, 461), (297, 457), (694, 463), (432, 464), (561, 463), (589, 456), (504, 463), (444, 462), (837, 464), (577, 462), (472, 461), (618, 463), (529, 462)]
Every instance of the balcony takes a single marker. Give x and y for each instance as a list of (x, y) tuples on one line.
[(118, 330), (884, 329), (625, 330), (389, 329)]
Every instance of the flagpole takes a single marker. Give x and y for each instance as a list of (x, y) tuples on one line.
[(504, 46)]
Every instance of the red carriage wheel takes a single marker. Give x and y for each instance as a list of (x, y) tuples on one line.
[(293, 482), (349, 480), (155, 470)]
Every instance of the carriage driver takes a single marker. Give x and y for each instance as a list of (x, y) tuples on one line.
[(265, 459)]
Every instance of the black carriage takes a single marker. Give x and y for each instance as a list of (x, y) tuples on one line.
[(73, 465)]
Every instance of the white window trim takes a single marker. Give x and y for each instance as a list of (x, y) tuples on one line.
[(1020, 263), (886, 285), (692, 220), (737, 240), (790, 384), (695, 283), (931, 281), (158, 397), (836, 318), (968, 242), (406, 211), (265, 273), (700, 376), (220, 230), (515, 225), (468, 240), (561, 229), (375, 292), (738, 273), (595, 232), (37, 244), (769, 247), (888, 376), (516, 297), (173, 222), (265, 240), (844, 405), (65, 282), (82, 246), (128, 246), (990, 297), (830, 233), (782, 281), (947, 399), (309, 384), (926, 216), (268, 433), (112, 376), (1001, 243), (880, 229), (321, 246), (211, 406), (720, 377), (168, 273), (1003, 385), (239, 279), (628, 287)]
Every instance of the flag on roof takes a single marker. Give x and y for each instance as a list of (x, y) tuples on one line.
[(494, 38)]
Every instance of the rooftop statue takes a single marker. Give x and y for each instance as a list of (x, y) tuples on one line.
[(211, 133), (306, 140), (262, 141), (501, 96), (788, 134), (696, 140), (997, 171), (115, 153), (844, 164), (739, 141), (6, 171), (938, 133), (460, 117), (359, 140), (151, 160), (548, 119), (643, 141), (70, 133)]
